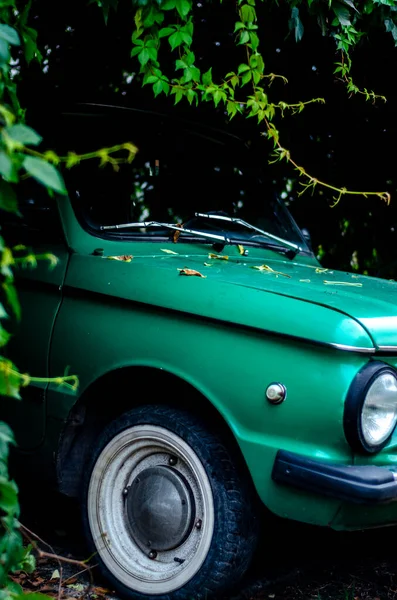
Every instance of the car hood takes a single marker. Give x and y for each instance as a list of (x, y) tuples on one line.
[(280, 297)]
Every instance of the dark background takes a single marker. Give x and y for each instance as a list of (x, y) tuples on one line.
[(348, 142)]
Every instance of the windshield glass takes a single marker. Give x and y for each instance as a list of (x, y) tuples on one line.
[(174, 176)]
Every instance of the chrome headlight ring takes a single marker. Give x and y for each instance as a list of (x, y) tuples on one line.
[(370, 415)]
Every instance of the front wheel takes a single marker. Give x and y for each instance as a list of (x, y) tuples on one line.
[(166, 509)]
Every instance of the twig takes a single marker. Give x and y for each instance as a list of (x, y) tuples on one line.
[(29, 535), (59, 559)]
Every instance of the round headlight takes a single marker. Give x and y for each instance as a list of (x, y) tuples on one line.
[(371, 408)]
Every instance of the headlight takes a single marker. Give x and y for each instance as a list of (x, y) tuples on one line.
[(371, 408)]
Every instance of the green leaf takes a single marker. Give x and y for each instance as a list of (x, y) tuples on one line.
[(207, 77), (180, 64), (246, 78), (238, 26), (342, 13), (4, 336), (166, 31), (175, 40), (152, 16), (196, 74), (6, 437), (158, 87), (192, 95), (391, 28), (7, 168), (165, 87), (190, 58), (9, 35), (248, 14), (45, 173), (4, 52), (244, 37), (183, 7), (186, 37), (8, 197), (254, 40), (10, 380), (23, 135), (351, 4), (9, 496), (231, 108), (296, 24), (143, 56), (242, 68), (12, 298), (218, 96), (178, 95), (168, 5)]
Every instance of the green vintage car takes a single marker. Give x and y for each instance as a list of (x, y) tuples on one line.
[(221, 368)]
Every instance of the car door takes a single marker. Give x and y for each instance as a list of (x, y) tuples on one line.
[(40, 294)]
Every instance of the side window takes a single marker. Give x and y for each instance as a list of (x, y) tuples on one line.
[(39, 219)]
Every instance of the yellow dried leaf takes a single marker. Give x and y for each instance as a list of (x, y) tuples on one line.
[(191, 273), (218, 256), (123, 258), (176, 235), (168, 251), (270, 270), (320, 270), (208, 264), (343, 283), (241, 249)]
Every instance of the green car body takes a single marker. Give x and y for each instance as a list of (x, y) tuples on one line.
[(212, 344)]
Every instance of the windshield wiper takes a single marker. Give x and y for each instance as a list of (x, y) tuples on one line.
[(202, 234), (238, 221)]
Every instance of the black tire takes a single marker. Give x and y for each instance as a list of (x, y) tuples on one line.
[(235, 526)]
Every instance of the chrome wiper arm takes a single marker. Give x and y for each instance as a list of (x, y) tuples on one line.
[(249, 226), (210, 236)]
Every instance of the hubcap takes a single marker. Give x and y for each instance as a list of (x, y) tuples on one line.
[(150, 509), (160, 508)]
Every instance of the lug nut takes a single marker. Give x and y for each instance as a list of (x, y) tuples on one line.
[(125, 491), (172, 461), (152, 554), (198, 524)]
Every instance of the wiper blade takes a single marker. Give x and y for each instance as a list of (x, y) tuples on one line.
[(238, 221), (202, 234)]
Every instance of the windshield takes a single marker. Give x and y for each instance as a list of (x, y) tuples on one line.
[(173, 177)]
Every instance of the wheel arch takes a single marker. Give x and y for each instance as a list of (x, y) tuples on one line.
[(88, 416)]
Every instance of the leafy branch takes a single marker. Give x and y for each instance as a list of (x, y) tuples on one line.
[(151, 32)]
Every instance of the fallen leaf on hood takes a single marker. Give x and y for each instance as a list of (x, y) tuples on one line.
[(355, 276), (168, 251), (176, 235), (270, 270), (123, 258), (343, 283), (241, 249), (208, 264), (218, 256), (55, 574), (320, 270), (191, 273), (305, 280)]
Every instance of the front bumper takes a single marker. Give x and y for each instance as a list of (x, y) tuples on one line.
[(358, 484)]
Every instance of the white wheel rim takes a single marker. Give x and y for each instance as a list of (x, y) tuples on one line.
[(135, 451)]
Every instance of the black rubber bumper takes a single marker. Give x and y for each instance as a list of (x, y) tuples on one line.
[(358, 484)]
